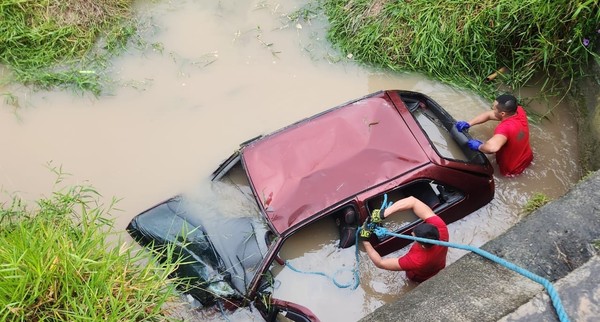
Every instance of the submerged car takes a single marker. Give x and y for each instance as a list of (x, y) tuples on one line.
[(340, 163)]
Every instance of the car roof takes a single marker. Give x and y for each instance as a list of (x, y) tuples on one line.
[(323, 160)]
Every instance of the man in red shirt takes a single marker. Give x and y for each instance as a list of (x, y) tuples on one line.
[(511, 137), (423, 260)]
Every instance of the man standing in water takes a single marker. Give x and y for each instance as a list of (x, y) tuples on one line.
[(511, 137), (423, 260)]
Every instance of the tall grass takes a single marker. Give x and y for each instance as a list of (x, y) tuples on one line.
[(56, 43), (463, 41), (56, 264)]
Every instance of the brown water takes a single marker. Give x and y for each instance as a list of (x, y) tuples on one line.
[(230, 70)]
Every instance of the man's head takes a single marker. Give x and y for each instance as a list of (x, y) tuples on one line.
[(428, 231), (505, 105)]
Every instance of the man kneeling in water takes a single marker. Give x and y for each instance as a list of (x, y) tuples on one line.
[(423, 260)]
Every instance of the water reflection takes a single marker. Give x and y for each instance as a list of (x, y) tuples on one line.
[(221, 73)]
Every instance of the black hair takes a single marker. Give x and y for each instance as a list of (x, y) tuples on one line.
[(428, 231), (507, 103)]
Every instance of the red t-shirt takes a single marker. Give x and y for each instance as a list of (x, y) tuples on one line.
[(515, 155), (420, 263)]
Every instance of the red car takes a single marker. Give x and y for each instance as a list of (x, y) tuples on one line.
[(339, 164)]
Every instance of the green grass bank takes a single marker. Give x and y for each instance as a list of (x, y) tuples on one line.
[(63, 43), (462, 42), (57, 263)]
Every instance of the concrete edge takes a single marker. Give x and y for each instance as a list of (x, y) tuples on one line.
[(579, 292)]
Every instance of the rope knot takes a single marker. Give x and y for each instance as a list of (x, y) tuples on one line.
[(380, 231)]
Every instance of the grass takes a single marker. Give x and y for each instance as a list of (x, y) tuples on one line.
[(62, 43), (596, 244), (58, 265), (537, 201), (461, 42), (587, 176)]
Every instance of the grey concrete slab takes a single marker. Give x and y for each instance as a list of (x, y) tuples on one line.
[(579, 292)]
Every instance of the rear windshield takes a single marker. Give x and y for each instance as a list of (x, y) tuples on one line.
[(441, 139), (440, 129)]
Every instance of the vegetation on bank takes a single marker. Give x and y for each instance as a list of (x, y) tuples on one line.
[(57, 264), (462, 42), (62, 43), (535, 202)]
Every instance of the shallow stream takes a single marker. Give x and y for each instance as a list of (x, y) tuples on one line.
[(223, 72)]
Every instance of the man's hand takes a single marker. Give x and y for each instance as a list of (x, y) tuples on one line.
[(462, 126), (365, 232), (377, 216), (474, 144)]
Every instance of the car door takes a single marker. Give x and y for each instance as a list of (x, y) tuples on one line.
[(438, 196)]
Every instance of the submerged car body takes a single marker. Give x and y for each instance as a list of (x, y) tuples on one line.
[(340, 164)]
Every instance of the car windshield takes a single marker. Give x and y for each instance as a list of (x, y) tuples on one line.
[(235, 230), (221, 236)]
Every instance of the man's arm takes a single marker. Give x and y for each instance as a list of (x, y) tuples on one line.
[(418, 207), (483, 117), (493, 144), (383, 263)]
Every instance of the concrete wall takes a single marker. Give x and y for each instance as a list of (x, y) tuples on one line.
[(587, 101)]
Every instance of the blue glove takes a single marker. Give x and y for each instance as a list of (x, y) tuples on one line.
[(462, 126), (474, 144)]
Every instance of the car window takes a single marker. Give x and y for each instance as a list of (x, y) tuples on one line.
[(436, 195), (441, 139), (439, 128)]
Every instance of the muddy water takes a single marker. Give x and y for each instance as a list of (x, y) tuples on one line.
[(221, 73)]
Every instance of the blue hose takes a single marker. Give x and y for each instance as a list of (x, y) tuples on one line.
[(560, 312), (356, 277), (381, 232)]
